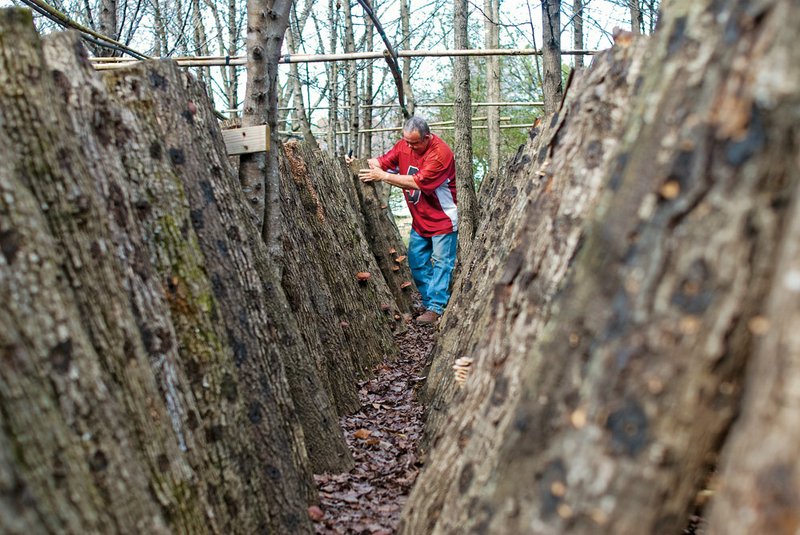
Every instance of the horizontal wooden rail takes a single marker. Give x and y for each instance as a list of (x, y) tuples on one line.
[(223, 61), (399, 128), (419, 105)]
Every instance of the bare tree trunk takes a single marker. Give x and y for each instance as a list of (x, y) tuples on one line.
[(200, 40), (299, 106), (405, 36), (234, 36), (551, 54), (108, 22), (352, 80), (161, 42), (636, 16), (462, 117), (368, 97), (333, 81), (222, 51), (258, 173), (491, 10), (577, 28)]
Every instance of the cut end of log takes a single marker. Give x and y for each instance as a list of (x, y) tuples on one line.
[(406, 285), (363, 276), (399, 259)]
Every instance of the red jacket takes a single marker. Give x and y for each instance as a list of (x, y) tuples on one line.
[(433, 205)]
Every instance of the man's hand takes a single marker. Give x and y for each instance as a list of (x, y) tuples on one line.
[(371, 175)]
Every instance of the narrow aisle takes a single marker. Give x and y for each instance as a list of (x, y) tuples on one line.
[(382, 437)]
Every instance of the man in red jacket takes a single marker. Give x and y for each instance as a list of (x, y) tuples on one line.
[(423, 166)]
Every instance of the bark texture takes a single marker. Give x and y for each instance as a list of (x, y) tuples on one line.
[(384, 238), (531, 228), (594, 404), (462, 118), (759, 483), (258, 172), (145, 336), (112, 291), (552, 86), (346, 324), (263, 332), (491, 39)]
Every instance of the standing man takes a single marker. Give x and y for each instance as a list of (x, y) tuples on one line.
[(423, 166)]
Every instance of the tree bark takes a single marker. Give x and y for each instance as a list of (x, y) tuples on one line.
[(368, 96), (384, 238), (148, 452), (491, 10), (352, 81), (551, 55), (462, 118), (575, 415), (537, 219), (148, 345), (758, 483), (266, 336), (333, 82), (350, 334), (636, 16), (577, 29), (299, 105), (405, 37), (192, 328), (258, 172), (200, 41)]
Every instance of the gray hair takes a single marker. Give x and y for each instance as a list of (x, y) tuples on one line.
[(417, 124)]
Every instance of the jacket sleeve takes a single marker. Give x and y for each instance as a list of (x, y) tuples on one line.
[(432, 174), (390, 160)]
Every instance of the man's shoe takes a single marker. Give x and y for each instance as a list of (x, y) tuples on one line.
[(428, 317)]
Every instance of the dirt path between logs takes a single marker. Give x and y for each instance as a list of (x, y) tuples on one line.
[(383, 437)]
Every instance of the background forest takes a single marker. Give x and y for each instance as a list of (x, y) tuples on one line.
[(359, 96)]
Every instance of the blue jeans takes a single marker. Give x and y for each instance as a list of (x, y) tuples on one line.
[(431, 261)]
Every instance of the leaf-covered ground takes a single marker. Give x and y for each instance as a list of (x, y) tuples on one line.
[(382, 436)]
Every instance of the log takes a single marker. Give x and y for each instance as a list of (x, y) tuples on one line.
[(603, 414), (140, 428), (383, 236), (757, 484), (73, 342), (324, 249), (145, 194), (530, 228), (253, 307)]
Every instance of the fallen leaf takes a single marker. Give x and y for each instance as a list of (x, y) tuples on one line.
[(362, 434)]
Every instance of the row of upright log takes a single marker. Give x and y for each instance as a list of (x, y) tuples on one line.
[(160, 371)]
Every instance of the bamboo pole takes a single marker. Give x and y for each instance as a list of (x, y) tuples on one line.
[(418, 105), (400, 128), (218, 61)]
